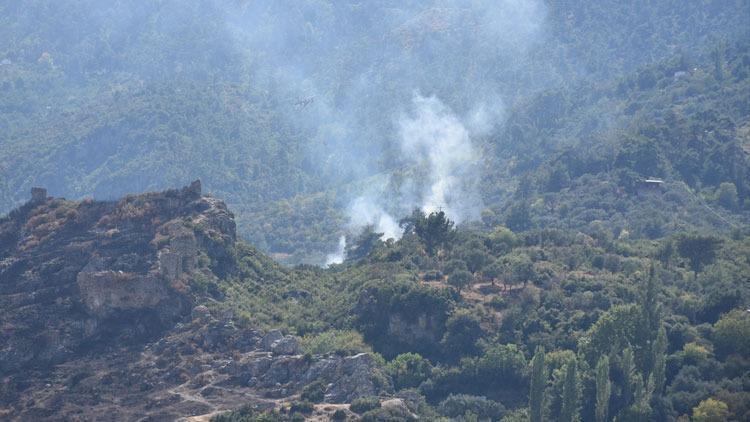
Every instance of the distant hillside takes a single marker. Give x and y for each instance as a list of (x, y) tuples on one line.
[(105, 99)]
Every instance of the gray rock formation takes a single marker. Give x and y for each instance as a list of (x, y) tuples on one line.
[(72, 271)]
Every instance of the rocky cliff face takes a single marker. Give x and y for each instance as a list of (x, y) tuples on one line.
[(75, 275), (102, 316)]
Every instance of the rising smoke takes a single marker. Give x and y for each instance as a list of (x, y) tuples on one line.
[(429, 78), (339, 255), (434, 140)]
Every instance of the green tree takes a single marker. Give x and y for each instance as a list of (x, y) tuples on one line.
[(475, 255), (629, 374), (364, 243), (640, 409), (408, 370), (538, 385), (462, 330), (519, 217), (700, 250), (621, 326), (416, 219), (435, 230), (649, 301), (603, 389), (726, 196), (502, 240), (494, 270), (571, 391), (665, 252), (460, 279), (731, 333), (711, 410), (659, 361), (454, 265), (518, 268)]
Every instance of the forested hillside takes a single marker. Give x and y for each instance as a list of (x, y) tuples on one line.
[(280, 108), (485, 210), (500, 325)]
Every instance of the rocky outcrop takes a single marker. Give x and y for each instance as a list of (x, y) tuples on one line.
[(279, 344), (197, 367), (101, 321), (76, 274)]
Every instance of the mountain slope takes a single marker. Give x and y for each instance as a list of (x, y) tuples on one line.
[(104, 316), (106, 99)]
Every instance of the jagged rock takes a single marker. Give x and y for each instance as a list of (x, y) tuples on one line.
[(268, 340), (288, 345), (354, 379), (201, 312), (393, 410), (125, 264), (104, 287), (106, 292)]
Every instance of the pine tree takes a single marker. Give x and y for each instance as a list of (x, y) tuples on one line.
[(538, 384), (569, 411), (603, 389)]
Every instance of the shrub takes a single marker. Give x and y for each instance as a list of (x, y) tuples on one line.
[(498, 302), (314, 392), (732, 333), (343, 342), (364, 404), (711, 410), (408, 370), (302, 407), (338, 415), (456, 405)]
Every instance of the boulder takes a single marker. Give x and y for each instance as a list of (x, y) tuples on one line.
[(353, 380), (288, 345), (267, 341)]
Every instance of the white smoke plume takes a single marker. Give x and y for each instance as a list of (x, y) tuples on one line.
[(432, 139), (365, 210), (338, 256), (433, 136)]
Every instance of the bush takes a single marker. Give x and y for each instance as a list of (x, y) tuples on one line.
[(342, 342), (711, 410), (498, 302), (390, 414), (338, 415), (314, 392), (296, 417), (433, 275), (302, 407), (408, 370), (456, 405), (364, 404)]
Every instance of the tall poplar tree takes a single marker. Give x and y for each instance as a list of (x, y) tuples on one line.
[(603, 389), (538, 384), (569, 411)]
